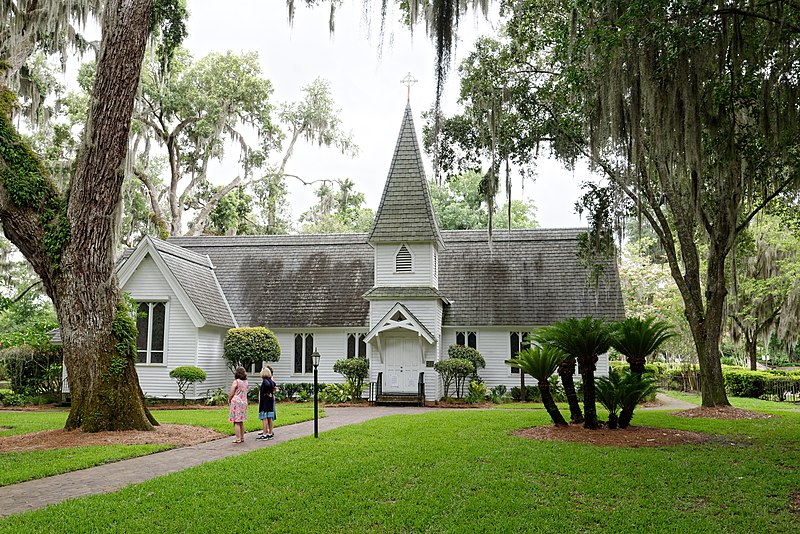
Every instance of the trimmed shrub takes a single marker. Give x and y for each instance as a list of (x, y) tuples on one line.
[(247, 346), (355, 371), (454, 370), (463, 352), (745, 383), (498, 394), (185, 376)]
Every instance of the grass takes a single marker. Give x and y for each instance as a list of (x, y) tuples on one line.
[(288, 413), (739, 402), (18, 467), (462, 470)]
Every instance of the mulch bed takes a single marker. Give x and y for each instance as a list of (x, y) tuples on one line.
[(633, 436), (177, 435), (721, 412)]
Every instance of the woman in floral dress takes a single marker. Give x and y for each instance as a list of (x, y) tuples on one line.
[(238, 401)]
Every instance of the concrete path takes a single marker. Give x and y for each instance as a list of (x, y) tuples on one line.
[(668, 403), (111, 477)]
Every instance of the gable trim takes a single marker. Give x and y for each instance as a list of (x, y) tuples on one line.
[(146, 248), (399, 317)]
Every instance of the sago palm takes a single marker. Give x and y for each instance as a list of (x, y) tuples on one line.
[(634, 389), (566, 372), (609, 394), (584, 339), (541, 363), (639, 338)]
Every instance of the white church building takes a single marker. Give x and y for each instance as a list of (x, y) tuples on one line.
[(398, 296)]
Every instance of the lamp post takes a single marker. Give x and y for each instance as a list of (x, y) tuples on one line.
[(315, 362)]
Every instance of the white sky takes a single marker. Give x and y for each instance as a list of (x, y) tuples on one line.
[(366, 87)]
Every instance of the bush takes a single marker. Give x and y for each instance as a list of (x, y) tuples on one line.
[(336, 393), (218, 397), (355, 370), (289, 390), (454, 370), (186, 376), (34, 370), (498, 394), (462, 352), (745, 383), (476, 392), (532, 394), (247, 346)]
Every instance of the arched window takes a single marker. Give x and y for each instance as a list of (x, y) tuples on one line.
[(402, 262)]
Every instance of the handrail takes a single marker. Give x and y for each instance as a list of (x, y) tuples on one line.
[(421, 388), (380, 384)]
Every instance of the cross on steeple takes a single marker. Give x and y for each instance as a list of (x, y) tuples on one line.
[(408, 81)]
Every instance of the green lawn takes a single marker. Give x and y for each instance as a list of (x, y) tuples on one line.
[(18, 467), (288, 413), (462, 471), (740, 402)]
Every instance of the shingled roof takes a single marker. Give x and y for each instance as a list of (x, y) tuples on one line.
[(527, 278), (405, 212), (195, 273), (291, 281)]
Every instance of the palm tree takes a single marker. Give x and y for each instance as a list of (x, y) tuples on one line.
[(634, 388), (566, 372), (541, 363), (609, 395), (638, 338), (584, 339)]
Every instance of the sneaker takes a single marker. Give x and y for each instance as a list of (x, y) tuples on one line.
[(270, 436), (263, 436)]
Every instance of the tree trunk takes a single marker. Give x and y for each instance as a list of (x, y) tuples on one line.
[(566, 371), (750, 346), (70, 240), (550, 404), (523, 391), (712, 383), (589, 402), (637, 365), (613, 421)]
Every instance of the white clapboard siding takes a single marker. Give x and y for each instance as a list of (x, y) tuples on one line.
[(148, 284), (422, 265), (210, 344), (495, 347)]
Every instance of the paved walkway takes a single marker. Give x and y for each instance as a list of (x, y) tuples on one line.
[(668, 403), (35, 494)]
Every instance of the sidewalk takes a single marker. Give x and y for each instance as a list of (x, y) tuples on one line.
[(106, 478)]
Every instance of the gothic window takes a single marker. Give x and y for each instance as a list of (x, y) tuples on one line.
[(150, 321), (468, 339), (303, 348), (356, 346), (517, 344), (402, 261)]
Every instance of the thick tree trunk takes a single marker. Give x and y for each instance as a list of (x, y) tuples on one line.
[(566, 371), (712, 383), (70, 241), (637, 365), (550, 404)]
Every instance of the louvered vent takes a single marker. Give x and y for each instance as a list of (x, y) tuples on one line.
[(402, 261)]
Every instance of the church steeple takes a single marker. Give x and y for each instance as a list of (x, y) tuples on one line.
[(405, 213)]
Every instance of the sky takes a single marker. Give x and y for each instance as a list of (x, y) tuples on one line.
[(365, 77)]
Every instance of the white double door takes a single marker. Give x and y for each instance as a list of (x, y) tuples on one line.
[(403, 360)]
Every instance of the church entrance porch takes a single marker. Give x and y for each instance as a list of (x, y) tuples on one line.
[(403, 363)]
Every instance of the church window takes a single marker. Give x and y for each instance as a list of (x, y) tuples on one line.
[(402, 262), (517, 344), (151, 322), (469, 339), (303, 348), (356, 346)]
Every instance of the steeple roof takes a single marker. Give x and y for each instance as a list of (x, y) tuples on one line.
[(405, 212)]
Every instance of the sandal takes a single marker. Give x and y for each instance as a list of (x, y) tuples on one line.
[(238, 441)]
